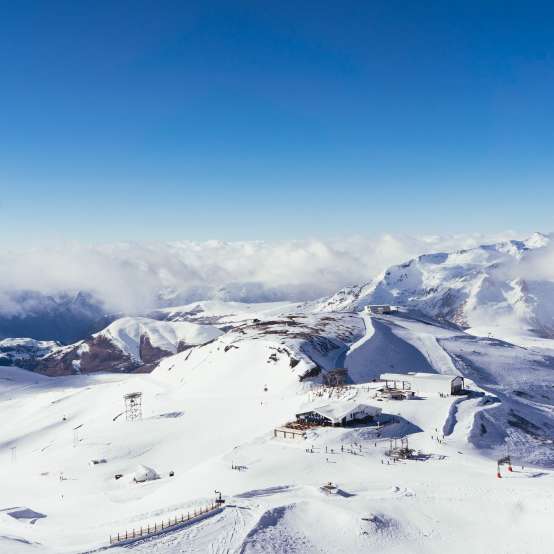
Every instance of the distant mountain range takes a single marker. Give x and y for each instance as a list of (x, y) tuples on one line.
[(501, 290), (66, 293)]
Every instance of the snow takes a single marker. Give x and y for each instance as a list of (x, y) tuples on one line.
[(143, 473), (126, 333), (212, 408), (225, 312), (17, 350), (490, 288), (226, 417), (27, 343)]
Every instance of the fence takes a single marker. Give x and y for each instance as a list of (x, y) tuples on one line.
[(338, 392), (164, 525)]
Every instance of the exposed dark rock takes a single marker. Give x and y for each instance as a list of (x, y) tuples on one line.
[(150, 354), (312, 372)]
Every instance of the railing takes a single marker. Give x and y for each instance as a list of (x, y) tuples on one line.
[(163, 525)]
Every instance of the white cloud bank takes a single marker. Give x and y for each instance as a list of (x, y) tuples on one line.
[(131, 277)]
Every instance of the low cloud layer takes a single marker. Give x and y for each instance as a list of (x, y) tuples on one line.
[(131, 277)]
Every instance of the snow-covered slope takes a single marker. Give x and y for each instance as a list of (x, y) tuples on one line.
[(493, 288), (292, 349), (517, 414), (127, 334), (213, 407), (225, 315)]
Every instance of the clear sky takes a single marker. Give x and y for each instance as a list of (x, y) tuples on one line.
[(263, 120)]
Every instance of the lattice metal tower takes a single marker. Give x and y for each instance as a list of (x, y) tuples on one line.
[(133, 406)]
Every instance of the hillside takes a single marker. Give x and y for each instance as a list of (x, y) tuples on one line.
[(495, 289), (214, 406)]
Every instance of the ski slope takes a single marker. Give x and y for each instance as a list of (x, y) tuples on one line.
[(214, 407)]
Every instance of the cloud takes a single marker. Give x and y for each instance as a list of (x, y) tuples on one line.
[(536, 265), (131, 277)]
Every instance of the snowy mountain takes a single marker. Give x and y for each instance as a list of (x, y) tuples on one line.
[(65, 293), (127, 344), (24, 352), (492, 288)]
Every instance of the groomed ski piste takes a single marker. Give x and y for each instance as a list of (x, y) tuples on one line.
[(208, 415)]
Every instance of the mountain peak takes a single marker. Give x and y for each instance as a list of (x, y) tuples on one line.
[(537, 240)]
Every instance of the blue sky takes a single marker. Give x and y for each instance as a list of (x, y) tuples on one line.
[(267, 120)]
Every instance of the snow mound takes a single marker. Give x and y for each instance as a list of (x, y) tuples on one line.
[(326, 525), (144, 473)]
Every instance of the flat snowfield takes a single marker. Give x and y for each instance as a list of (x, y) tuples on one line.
[(54, 500)]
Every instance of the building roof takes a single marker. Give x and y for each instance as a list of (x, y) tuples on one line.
[(413, 375), (336, 411)]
